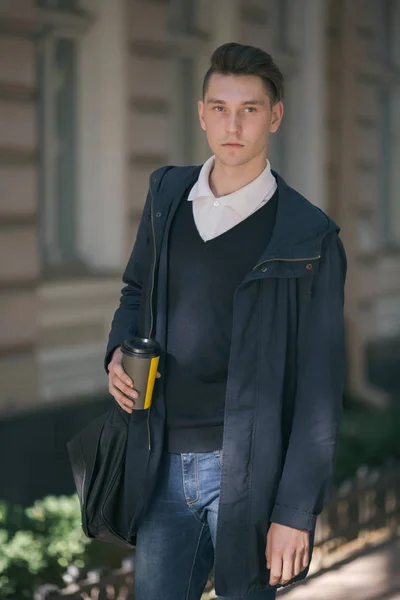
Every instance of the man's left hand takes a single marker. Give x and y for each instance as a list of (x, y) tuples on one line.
[(286, 552)]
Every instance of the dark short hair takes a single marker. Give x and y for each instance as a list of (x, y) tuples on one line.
[(237, 59)]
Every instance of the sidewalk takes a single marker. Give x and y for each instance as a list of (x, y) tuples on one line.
[(373, 576)]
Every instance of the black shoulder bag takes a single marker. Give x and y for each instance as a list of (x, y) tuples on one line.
[(97, 456)]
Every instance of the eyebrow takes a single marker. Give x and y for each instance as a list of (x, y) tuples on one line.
[(245, 103)]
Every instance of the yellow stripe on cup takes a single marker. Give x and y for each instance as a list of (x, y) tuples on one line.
[(150, 382)]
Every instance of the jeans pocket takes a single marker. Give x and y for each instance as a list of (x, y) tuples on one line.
[(218, 456)]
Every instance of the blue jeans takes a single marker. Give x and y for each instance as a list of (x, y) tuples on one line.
[(176, 538)]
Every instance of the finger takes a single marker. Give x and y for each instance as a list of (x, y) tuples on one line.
[(298, 561), (127, 391), (158, 375), (305, 558), (124, 407), (118, 370), (287, 570), (268, 554), (122, 400), (276, 569)]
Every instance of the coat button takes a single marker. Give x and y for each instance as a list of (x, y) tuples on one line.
[(158, 214), (309, 267), (264, 269)]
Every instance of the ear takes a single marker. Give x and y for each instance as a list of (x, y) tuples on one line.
[(200, 107), (276, 117)]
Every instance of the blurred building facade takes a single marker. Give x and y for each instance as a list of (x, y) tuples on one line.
[(95, 94)]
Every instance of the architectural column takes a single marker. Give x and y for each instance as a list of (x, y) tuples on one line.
[(313, 116), (102, 120), (19, 265)]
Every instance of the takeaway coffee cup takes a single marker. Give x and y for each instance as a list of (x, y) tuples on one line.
[(140, 358)]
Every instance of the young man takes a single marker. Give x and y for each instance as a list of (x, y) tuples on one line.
[(241, 280)]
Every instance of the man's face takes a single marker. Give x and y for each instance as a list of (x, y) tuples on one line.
[(237, 115)]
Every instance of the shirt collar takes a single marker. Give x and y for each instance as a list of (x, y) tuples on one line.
[(245, 200)]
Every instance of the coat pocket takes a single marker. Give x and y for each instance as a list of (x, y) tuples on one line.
[(289, 268)]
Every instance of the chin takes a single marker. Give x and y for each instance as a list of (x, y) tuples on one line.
[(233, 159)]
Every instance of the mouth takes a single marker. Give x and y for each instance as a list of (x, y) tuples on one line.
[(233, 145)]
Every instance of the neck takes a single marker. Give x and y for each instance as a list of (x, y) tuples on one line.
[(226, 179)]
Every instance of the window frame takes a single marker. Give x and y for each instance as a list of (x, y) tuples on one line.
[(54, 25), (389, 132)]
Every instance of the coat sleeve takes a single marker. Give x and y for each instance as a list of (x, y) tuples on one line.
[(125, 321), (308, 466)]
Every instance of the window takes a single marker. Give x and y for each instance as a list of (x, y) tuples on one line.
[(182, 16), (57, 134), (189, 108), (390, 127), (57, 60), (58, 4), (184, 121), (282, 32), (187, 70)]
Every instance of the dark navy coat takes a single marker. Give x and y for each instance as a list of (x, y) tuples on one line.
[(285, 379)]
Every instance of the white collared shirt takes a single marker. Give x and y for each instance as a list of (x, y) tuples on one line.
[(213, 216)]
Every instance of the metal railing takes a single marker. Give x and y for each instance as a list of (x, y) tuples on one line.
[(369, 502)]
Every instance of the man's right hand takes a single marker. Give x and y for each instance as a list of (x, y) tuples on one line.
[(120, 385)]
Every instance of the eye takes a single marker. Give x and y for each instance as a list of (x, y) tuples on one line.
[(218, 108), (250, 109)]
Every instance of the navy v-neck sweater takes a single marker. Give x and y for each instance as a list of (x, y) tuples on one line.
[(202, 278)]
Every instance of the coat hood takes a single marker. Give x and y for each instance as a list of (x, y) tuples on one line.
[(300, 226)]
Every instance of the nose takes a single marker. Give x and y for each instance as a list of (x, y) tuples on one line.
[(233, 123)]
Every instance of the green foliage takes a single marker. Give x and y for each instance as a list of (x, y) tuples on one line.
[(38, 543), (367, 437)]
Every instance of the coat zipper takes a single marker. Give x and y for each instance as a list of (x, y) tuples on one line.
[(151, 298), (285, 260), (150, 334), (154, 266)]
